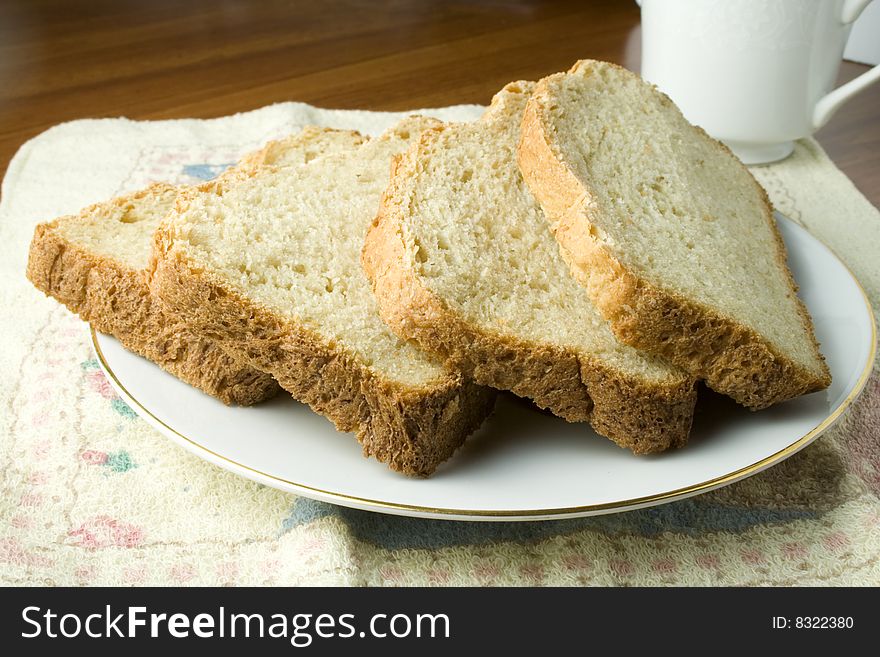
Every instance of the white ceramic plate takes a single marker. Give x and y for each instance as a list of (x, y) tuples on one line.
[(522, 464)]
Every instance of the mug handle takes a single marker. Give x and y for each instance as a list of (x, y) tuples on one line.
[(830, 103)]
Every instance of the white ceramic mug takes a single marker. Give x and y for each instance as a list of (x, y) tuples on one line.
[(756, 74)]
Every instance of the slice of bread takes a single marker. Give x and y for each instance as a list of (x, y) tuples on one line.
[(95, 264), (267, 263), (462, 261), (669, 233)]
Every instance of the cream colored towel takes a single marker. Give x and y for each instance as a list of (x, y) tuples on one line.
[(91, 495)]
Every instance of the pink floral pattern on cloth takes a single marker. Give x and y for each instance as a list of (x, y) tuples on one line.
[(94, 496), (104, 531)]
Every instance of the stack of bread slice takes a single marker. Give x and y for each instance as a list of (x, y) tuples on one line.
[(462, 262), (581, 245)]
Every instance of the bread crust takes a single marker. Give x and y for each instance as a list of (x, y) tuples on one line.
[(116, 300), (572, 385), (310, 142), (411, 429), (731, 357)]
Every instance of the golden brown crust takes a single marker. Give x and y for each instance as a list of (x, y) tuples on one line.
[(572, 385), (412, 430), (732, 358), (116, 300), (308, 143)]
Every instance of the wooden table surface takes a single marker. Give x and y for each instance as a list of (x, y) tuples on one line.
[(156, 59)]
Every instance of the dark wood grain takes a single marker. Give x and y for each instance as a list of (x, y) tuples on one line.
[(152, 59)]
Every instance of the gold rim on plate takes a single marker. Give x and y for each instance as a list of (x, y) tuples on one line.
[(561, 512), (589, 509)]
